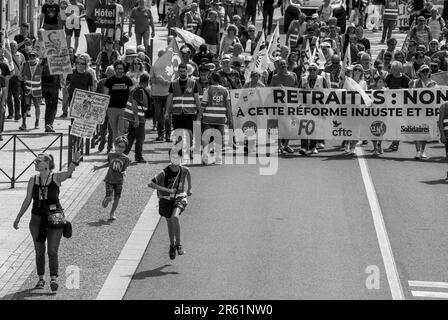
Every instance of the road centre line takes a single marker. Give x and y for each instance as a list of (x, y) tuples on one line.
[(380, 229), (119, 278), (430, 294), (428, 284)]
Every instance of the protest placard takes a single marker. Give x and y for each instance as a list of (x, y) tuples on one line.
[(89, 106), (83, 128), (407, 115), (55, 43), (59, 65), (105, 16)]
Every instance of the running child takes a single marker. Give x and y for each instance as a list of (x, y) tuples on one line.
[(117, 162), (170, 186)]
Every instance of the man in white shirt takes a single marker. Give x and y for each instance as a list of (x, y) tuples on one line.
[(74, 12), (14, 85)]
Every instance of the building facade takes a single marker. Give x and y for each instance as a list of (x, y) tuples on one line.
[(16, 12)]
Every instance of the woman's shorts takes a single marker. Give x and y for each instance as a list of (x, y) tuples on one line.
[(113, 189), (166, 207)]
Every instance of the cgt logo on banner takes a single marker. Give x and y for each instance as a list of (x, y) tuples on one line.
[(341, 114)]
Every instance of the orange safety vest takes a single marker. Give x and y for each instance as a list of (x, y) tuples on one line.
[(33, 82), (184, 102), (215, 111)]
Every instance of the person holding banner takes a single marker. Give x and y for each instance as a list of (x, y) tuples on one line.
[(396, 79), (358, 77), (284, 78), (423, 81), (309, 82), (443, 129)]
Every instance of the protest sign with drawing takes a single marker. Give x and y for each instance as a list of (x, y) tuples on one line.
[(89, 106), (55, 43), (83, 129)]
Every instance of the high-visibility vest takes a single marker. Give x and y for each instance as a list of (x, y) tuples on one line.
[(294, 36), (391, 10), (33, 82), (318, 85), (184, 102), (215, 111), (190, 24)]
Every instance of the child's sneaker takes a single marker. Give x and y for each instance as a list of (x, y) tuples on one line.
[(54, 285), (106, 201), (179, 249), (172, 253)]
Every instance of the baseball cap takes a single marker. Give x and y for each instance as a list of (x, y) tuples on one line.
[(312, 64), (315, 15), (225, 57)]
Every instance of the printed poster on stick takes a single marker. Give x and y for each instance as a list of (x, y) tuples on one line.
[(59, 65), (55, 43), (83, 128), (89, 106)]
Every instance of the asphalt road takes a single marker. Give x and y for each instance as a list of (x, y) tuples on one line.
[(306, 232)]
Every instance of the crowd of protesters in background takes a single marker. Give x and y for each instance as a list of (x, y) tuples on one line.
[(231, 36)]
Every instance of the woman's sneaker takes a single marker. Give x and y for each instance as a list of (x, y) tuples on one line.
[(179, 249), (54, 285), (40, 284)]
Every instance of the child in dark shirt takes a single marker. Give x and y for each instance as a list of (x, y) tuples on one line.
[(117, 162), (170, 186)]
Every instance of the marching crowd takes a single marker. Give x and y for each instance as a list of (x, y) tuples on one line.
[(200, 91)]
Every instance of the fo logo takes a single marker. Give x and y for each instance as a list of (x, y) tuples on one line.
[(378, 128), (249, 128)]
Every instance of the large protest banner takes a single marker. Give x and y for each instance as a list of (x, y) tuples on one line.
[(104, 16), (89, 106), (340, 114)]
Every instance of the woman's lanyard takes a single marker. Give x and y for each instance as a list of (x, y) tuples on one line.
[(41, 188)]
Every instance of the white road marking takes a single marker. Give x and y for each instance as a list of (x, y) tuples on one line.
[(430, 294), (124, 268), (428, 284), (380, 228)]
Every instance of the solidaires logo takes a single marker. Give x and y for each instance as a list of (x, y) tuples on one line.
[(378, 128), (412, 129)]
